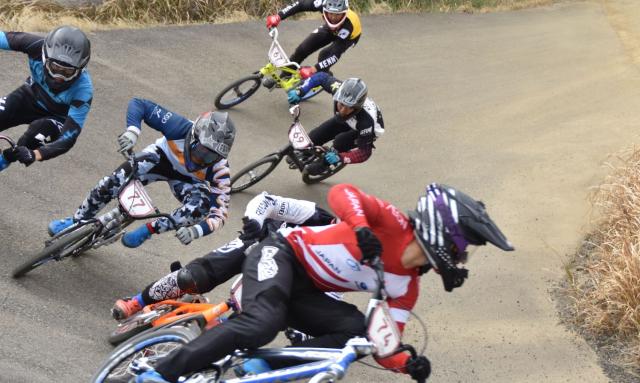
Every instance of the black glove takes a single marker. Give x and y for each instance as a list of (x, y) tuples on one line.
[(25, 155), (418, 368), (11, 154), (252, 230), (368, 243)]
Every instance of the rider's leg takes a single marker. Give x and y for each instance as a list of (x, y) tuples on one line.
[(331, 54), (345, 141), (196, 200), (330, 322), (327, 131), (316, 40), (15, 109), (267, 278), (40, 132), (108, 187), (199, 276)]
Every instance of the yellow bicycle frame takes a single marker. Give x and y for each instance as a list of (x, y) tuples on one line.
[(273, 71)]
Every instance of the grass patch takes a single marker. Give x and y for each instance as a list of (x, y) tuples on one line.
[(605, 278), (43, 15)]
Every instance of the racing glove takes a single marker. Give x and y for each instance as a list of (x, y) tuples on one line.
[(418, 368), (368, 243), (332, 157), (293, 96), (187, 234), (252, 230), (307, 71), (127, 140), (273, 21), (21, 154)]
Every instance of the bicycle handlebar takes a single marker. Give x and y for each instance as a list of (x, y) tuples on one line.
[(8, 140)]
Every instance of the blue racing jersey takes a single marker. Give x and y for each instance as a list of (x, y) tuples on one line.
[(174, 129), (70, 106)]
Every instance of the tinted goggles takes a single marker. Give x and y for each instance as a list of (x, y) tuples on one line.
[(61, 71), (203, 156)]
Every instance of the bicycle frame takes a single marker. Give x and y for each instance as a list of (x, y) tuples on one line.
[(279, 62), (140, 207)]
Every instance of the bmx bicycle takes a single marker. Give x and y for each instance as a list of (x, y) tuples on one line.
[(284, 73), (300, 152)]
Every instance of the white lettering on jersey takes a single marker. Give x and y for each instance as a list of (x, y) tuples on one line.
[(267, 267), (355, 202), (3, 100), (398, 216)]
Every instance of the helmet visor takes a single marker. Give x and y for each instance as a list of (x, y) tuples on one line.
[(203, 156), (61, 71)]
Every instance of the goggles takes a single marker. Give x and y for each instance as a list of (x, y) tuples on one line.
[(203, 156), (61, 71)]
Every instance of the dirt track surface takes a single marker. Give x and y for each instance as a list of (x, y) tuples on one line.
[(518, 109)]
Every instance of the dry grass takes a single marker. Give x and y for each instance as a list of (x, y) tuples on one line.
[(606, 284), (42, 15)]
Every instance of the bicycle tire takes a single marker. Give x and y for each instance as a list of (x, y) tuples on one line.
[(49, 252), (273, 160), (311, 179), (140, 344), (241, 95)]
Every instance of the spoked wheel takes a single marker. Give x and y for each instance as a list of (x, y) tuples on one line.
[(253, 173), (312, 93), (51, 252), (312, 179), (153, 346), (238, 91)]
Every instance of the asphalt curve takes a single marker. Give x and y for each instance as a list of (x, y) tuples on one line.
[(518, 109)]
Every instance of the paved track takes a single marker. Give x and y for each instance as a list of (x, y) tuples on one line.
[(519, 109)]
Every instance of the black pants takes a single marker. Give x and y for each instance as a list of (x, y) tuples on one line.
[(20, 107), (344, 138), (276, 293), (321, 37)]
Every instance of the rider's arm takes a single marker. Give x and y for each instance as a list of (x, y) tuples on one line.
[(220, 196), (400, 310), (172, 125), (269, 206), (300, 6), (73, 124), (22, 42), (353, 206)]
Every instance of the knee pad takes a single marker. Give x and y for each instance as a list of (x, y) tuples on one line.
[(192, 279)]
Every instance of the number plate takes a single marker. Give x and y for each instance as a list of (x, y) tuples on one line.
[(383, 331), (298, 137), (135, 200), (277, 56)]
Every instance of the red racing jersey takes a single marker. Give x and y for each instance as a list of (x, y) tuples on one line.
[(331, 256)]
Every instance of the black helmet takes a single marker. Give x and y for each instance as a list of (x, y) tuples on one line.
[(335, 7), (65, 52), (209, 140), (446, 221), (352, 93)]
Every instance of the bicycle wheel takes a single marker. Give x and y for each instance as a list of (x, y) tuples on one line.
[(253, 173), (312, 179), (238, 91), (49, 253), (151, 345), (312, 93)]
